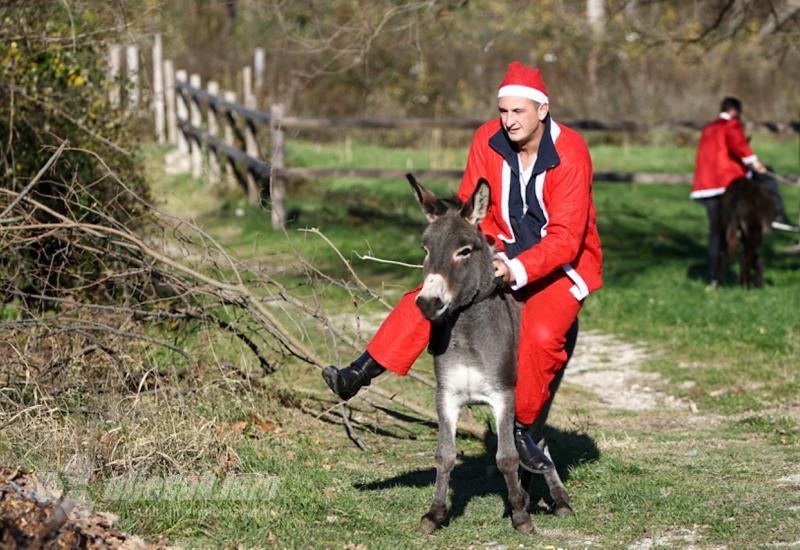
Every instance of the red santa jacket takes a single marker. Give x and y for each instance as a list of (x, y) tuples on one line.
[(548, 223), (722, 156)]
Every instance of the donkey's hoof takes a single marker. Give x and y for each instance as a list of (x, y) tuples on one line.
[(562, 510), (435, 518), (427, 525), (522, 522)]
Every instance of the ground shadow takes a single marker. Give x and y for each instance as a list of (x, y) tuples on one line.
[(397, 431), (477, 476), (658, 242), (771, 257), (360, 209), (698, 271), (568, 449), (635, 243)]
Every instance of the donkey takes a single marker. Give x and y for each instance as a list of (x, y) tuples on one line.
[(474, 334), (747, 211)]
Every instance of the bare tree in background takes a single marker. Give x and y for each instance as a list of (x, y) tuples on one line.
[(781, 16), (642, 59), (596, 17)]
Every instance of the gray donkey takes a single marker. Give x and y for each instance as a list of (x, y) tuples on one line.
[(475, 327)]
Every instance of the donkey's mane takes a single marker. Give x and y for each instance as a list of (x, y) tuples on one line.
[(452, 202)]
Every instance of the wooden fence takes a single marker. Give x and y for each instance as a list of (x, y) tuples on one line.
[(221, 139)]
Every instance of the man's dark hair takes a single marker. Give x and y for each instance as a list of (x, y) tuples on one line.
[(731, 103)]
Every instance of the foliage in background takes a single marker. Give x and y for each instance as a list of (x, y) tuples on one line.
[(53, 90), (648, 60)]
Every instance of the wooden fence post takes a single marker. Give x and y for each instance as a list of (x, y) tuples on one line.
[(348, 147), (258, 68), (253, 194), (277, 181), (212, 155), (132, 85), (169, 96), (114, 66), (158, 89), (436, 148), (230, 175), (183, 114), (197, 122), (625, 145)]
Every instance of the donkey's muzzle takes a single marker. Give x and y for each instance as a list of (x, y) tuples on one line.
[(431, 307)]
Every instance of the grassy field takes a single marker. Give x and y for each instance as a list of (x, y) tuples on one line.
[(720, 469)]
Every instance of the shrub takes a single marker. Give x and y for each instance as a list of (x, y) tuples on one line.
[(53, 89)]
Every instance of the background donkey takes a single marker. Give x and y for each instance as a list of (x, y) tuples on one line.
[(475, 328), (746, 216)]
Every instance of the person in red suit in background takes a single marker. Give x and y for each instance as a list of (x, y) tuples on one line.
[(541, 220), (724, 155)]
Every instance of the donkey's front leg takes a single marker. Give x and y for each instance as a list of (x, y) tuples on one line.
[(746, 267), (447, 409), (759, 267), (508, 462)]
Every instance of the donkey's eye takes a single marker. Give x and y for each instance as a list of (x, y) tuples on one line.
[(464, 252)]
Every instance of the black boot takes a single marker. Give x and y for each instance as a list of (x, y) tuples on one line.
[(346, 382), (531, 457)]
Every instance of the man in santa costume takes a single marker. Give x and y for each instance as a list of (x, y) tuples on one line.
[(541, 220), (724, 155)]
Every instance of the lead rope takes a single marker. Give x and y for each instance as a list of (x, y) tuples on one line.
[(784, 179)]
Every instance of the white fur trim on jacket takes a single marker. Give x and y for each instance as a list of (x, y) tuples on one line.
[(579, 289), (706, 193), (506, 189), (516, 267)]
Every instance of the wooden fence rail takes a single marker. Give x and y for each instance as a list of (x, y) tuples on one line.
[(235, 155), (256, 117), (249, 114), (301, 123), (245, 165), (647, 178)]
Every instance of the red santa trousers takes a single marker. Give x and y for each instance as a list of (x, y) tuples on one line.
[(548, 312)]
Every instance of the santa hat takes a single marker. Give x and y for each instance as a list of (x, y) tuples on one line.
[(523, 81)]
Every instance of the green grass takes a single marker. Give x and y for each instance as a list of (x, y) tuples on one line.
[(662, 153), (666, 153), (331, 494), (655, 275), (714, 475)]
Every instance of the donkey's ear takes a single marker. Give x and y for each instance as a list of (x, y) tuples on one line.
[(431, 205), (474, 210)]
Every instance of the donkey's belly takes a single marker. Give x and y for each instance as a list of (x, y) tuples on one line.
[(468, 384)]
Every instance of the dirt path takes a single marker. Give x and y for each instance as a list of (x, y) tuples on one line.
[(611, 369)]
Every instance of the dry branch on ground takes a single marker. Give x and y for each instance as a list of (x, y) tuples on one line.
[(121, 326)]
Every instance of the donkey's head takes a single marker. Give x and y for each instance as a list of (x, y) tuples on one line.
[(459, 260)]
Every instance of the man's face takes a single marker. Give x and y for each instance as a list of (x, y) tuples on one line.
[(521, 117)]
